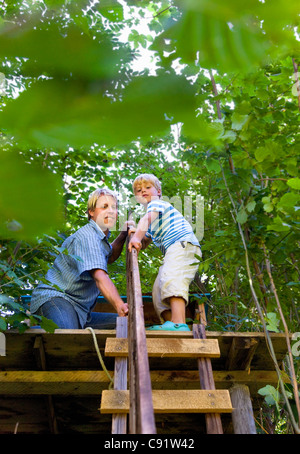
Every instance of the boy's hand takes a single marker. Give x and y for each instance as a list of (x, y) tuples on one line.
[(136, 243)]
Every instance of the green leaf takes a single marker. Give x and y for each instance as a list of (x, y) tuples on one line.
[(271, 151), (48, 50), (3, 325), (238, 120), (268, 207), (294, 183), (111, 9), (288, 202), (147, 107), (272, 396), (5, 299), (229, 136), (273, 322), (250, 206), (261, 154), (48, 325), (242, 216), (30, 203), (279, 228), (278, 225), (212, 165), (203, 131), (202, 32)]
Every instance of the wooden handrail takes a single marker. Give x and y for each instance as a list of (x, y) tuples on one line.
[(141, 414)]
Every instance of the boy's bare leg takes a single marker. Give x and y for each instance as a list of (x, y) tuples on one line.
[(178, 309), (177, 312)]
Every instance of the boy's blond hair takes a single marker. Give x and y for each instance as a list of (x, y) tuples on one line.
[(94, 196), (147, 178)]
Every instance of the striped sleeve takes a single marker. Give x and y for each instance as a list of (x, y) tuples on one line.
[(156, 206)]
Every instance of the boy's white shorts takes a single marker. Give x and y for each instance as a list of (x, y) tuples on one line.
[(175, 274)]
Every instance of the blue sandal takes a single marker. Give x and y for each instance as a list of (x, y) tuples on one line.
[(169, 326)]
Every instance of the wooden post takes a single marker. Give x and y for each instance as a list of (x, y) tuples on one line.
[(141, 415), (242, 415), (119, 421), (213, 420), (40, 357)]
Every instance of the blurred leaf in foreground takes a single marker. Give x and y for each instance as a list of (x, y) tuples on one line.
[(30, 202)]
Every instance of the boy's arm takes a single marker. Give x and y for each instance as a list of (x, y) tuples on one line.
[(139, 235)]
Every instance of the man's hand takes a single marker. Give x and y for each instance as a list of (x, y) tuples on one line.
[(122, 309), (109, 291)]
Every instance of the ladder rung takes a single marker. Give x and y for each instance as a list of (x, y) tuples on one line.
[(171, 401), (166, 347)]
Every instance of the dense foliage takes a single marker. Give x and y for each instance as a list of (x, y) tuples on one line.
[(213, 111)]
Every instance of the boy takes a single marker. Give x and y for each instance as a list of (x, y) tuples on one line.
[(167, 228)]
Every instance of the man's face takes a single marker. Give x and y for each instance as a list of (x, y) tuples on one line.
[(105, 213)]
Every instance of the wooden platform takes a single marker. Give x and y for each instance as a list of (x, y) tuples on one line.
[(53, 382)]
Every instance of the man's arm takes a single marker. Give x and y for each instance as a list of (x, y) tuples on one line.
[(109, 291), (118, 243), (117, 247)]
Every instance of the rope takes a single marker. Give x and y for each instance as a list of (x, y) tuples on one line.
[(100, 357)]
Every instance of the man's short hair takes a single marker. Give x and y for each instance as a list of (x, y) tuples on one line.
[(94, 196)]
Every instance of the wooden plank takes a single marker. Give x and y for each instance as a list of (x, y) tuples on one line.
[(168, 348), (119, 421), (141, 418), (52, 382), (172, 401), (40, 357), (213, 420), (74, 349), (92, 383)]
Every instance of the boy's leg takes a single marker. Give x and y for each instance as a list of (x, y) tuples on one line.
[(171, 308), (170, 291), (163, 312), (177, 312)]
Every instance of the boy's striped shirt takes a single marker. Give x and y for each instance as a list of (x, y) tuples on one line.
[(169, 227)]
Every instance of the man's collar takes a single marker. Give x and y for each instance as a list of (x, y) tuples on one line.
[(99, 230)]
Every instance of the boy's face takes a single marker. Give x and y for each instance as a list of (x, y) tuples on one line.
[(146, 192), (105, 213)]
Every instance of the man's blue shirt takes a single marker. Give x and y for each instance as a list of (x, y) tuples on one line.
[(88, 249)]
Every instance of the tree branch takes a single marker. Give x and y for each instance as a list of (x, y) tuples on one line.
[(261, 315)]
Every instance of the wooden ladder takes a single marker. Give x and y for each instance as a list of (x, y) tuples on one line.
[(140, 401)]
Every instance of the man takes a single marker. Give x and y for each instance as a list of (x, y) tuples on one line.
[(79, 274)]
